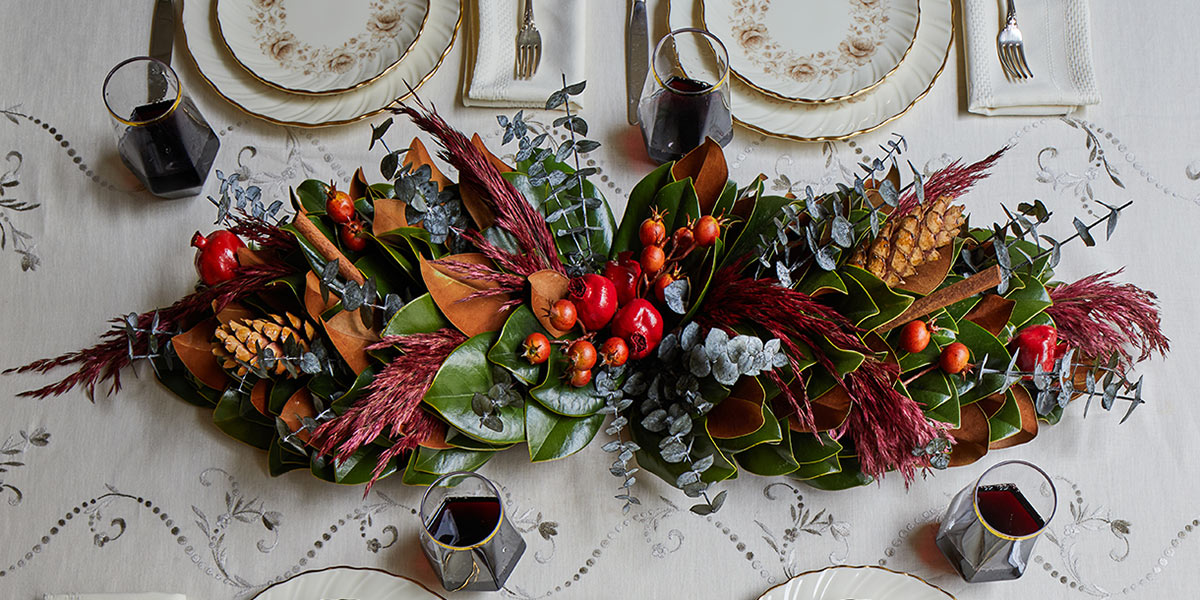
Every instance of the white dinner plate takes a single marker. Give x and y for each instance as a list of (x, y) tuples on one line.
[(294, 45), (813, 50), (866, 582), (357, 583), (238, 86), (853, 116)]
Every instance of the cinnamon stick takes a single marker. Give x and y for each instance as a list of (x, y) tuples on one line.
[(971, 286), (327, 249)]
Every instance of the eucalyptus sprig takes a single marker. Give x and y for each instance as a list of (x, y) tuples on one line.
[(247, 200), (362, 298)]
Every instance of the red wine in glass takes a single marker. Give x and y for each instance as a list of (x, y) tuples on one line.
[(1006, 509), (678, 116), (173, 154), (465, 521)]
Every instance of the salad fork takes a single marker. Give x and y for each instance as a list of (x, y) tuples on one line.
[(529, 45), (1012, 48)]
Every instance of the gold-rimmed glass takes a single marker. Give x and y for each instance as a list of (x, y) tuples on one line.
[(991, 526), (686, 95), (161, 135), (466, 535)]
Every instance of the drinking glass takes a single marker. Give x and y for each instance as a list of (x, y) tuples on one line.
[(161, 136), (686, 95), (466, 535), (991, 526)]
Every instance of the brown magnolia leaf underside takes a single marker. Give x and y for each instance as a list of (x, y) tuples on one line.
[(351, 337), (706, 166), (992, 313), (739, 414), (389, 216), (545, 288), (971, 438), (417, 156), (258, 396), (297, 408), (194, 348), (448, 289)]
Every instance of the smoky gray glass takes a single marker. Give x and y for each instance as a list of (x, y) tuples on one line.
[(466, 534)]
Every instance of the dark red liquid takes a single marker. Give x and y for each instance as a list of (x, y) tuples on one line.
[(465, 521), (171, 156), (676, 120), (1006, 509)]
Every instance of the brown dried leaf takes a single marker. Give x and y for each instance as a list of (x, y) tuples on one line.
[(437, 439), (358, 185), (480, 213), (258, 396), (448, 288), (992, 313), (417, 155), (496, 162), (351, 337), (298, 407), (1029, 422), (992, 404), (545, 288), (232, 312), (389, 216), (971, 438), (194, 348), (314, 303), (931, 274), (706, 166), (249, 258), (739, 414)]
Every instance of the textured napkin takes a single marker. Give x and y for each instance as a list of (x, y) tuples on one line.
[(492, 52), (142, 596), (1058, 48)]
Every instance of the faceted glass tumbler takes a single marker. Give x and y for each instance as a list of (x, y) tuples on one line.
[(466, 534), (991, 526)]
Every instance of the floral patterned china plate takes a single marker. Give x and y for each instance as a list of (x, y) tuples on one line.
[(295, 45), (234, 83), (349, 583), (813, 50), (866, 582), (894, 95)]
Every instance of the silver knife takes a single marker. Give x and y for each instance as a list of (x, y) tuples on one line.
[(637, 57), (162, 30)]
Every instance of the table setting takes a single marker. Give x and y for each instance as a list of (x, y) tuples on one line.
[(663, 298)]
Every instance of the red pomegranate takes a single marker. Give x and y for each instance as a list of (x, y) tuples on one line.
[(640, 325), (216, 258)]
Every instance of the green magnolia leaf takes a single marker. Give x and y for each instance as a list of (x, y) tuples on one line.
[(227, 416), (807, 471), (553, 436), (597, 217), (181, 382), (856, 305), (419, 316), (637, 209), (889, 302), (648, 456), (1031, 299), (820, 279), (725, 201), (982, 343), (1007, 421), (849, 476), (560, 396), (760, 221), (312, 194), (937, 397), (511, 345), (465, 372), (280, 460), (808, 448), (770, 459), (440, 462)]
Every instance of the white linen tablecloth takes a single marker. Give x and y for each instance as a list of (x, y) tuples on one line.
[(141, 491)]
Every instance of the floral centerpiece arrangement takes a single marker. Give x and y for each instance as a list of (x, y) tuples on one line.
[(422, 325)]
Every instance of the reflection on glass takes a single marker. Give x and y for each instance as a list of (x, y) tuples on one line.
[(686, 95), (466, 535), (991, 526), (161, 136)]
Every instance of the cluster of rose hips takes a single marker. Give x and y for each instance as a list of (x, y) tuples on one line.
[(1035, 346), (614, 300), (915, 337), (340, 207)]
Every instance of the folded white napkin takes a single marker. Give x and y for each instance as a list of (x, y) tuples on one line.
[(140, 596), (492, 52), (1058, 48)]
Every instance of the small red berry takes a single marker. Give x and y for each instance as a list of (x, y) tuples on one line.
[(954, 358), (706, 231), (352, 236), (614, 351), (914, 337), (652, 231), (537, 348), (660, 285), (581, 355), (563, 315), (684, 240), (339, 206), (579, 378), (653, 260)]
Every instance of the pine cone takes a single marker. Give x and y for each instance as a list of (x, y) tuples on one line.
[(911, 241), (239, 342)]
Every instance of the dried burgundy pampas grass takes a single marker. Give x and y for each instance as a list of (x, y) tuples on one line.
[(1101, 318)]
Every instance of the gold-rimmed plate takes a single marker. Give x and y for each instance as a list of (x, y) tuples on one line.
[(813, 50), (294, 45), (218, 67), (842, 582), (334, 583), (843, 119)]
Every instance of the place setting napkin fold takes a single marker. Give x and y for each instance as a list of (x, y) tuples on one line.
[(132, 596), (1058, 48), (491, 80)]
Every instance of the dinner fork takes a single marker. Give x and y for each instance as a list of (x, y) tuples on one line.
[(1012, 48), (529, 45)]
